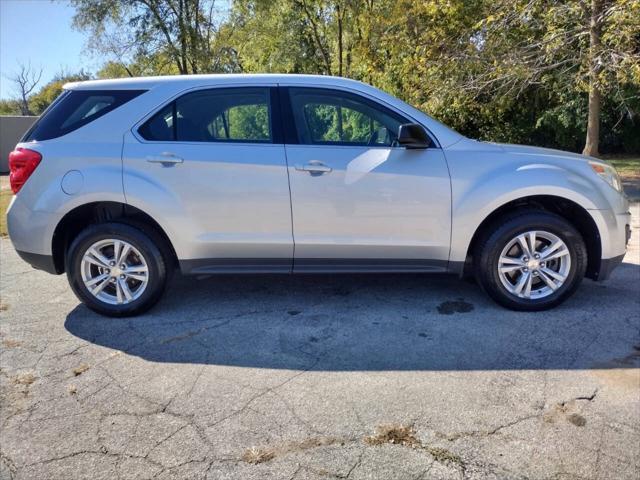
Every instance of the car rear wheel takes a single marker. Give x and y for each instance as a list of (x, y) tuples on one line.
[(116, 270), (530, 260)]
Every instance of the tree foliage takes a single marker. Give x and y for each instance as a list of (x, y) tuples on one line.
[(37, 102), (183, 33), (515, 71), (49, 92), (10, 107), (521, 71)]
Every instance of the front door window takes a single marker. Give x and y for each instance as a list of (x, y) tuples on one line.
[(330, 117)]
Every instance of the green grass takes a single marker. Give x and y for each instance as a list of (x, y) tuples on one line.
[(628, 167), (5, 198)]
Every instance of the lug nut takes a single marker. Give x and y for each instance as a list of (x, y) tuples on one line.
[(525, 269), (113, 264), (123, 267), (107, 270), (525, 259), (535, 273), (536, 256), (122, 277)]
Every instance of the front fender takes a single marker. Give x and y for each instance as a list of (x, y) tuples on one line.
[(474, 201)]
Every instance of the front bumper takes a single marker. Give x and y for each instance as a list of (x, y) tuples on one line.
[(607, 265), (38, 261), (617, 238)]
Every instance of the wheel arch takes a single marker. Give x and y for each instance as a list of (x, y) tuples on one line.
[(81, 216), (571, 211)]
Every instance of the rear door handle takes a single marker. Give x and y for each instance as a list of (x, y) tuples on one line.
[(166, 159), (314, 167)]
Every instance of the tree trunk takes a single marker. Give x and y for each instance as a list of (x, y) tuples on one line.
[(339, 40), (593, 121), (316, 36), (24, 106), (595, 96)]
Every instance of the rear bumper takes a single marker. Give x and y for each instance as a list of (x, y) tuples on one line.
[(38, 261), (31, 234), (30, 231)]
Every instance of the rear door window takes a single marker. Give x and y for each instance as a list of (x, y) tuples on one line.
[(216, 115), (75, 109)]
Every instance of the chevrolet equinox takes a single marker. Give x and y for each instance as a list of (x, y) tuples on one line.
[(120, 182)]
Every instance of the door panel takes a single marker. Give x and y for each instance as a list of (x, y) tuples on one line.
[(359, 201), (383, 204), (223, 200)]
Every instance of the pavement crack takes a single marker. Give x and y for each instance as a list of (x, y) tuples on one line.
[(161, 441), (295, 473), (262, 394), (497, 429), (485, 433), (357, 463), (102, 451), (296, 416), (588, 398), (511, 424)]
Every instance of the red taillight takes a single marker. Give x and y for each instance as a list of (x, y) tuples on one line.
[(22, 163)]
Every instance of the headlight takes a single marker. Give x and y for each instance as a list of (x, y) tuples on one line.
[(608, 174)]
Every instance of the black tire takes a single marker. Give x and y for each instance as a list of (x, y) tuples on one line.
[(497, 236), (148, 244)]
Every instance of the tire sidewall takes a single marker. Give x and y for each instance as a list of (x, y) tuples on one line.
[(150, 252), (489, 259)]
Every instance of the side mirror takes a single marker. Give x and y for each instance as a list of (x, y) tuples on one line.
[(413, 136)]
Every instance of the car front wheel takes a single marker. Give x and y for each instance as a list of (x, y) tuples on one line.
[(116, 269), (530, 260)]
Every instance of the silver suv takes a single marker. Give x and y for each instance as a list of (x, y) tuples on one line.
[(122, 181)]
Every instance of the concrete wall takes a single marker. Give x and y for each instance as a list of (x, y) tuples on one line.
[(11, 130)]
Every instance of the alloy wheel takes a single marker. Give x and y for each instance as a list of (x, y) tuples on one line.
[(534, 264), (114, 271)]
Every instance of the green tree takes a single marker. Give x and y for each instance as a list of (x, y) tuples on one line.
[(140, 66), (9, 107), (182, 31), (560, 74), (565, 50), (39, 101), (273, 36)]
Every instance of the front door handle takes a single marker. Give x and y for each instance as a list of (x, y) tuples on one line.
[(314, 167), (166, 159)]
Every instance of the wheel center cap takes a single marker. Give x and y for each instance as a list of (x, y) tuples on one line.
[(533, 264), (116, 272)]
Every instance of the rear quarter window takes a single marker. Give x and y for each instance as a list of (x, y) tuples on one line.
[(76, 108)]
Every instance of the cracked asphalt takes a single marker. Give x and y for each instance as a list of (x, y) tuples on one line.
[(360, 377)]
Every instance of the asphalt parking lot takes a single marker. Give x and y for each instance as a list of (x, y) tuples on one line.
[(380, 377)]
